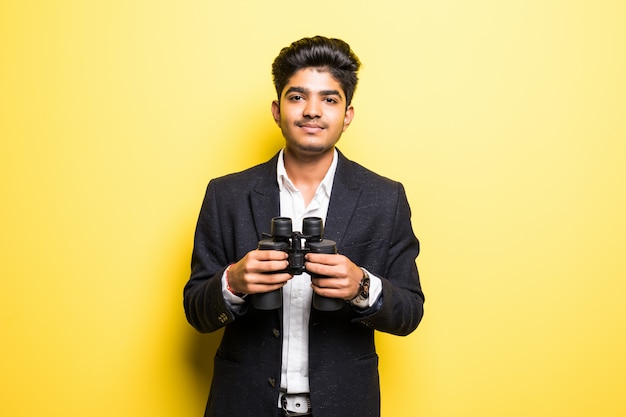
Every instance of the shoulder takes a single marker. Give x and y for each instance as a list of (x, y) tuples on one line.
[(246, 179), (356, 175)]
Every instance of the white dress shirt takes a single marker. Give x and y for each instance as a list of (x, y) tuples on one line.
[(297, 293)]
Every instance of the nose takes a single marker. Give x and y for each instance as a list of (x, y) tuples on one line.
[(312, 109)]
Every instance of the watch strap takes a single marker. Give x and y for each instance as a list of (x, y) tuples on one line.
[(364, 291)]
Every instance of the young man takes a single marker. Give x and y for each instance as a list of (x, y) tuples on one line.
[(296, 360)]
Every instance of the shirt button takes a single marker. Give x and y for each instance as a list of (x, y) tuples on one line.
[(276, 333), (272, 382)]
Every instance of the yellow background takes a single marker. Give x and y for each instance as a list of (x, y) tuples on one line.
[(505, 120)]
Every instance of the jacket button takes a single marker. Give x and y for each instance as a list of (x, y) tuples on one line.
[(272, 382), (222, 318), (276, 333)]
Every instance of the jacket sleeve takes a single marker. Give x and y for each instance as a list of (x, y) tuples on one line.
[(402, 304), (205, 307)]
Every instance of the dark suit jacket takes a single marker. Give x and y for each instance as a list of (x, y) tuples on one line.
[(369, 218)]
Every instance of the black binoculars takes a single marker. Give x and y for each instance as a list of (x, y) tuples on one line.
[(283, 238)]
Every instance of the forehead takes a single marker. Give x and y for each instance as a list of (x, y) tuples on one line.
[(314, 80)]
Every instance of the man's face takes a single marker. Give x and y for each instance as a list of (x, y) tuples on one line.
[(312, 112)]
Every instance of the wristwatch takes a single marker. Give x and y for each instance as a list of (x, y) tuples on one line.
[(364, 290)]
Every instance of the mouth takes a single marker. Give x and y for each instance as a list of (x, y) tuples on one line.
[(310, 127)]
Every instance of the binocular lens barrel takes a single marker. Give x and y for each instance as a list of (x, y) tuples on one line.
[(313, 227), (281, 227)]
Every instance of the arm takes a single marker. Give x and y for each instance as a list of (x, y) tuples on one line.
[(380, 239), (402, 297), (205, 307), (216, 246)]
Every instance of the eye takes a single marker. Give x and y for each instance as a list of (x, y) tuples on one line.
[(295, 98), (330, 100)]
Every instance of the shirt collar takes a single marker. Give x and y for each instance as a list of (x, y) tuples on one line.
[(285, 183)]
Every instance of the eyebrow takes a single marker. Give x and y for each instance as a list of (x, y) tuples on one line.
[(303, 90)]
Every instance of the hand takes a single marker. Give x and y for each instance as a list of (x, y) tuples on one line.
[(253, 273), (341, 279)]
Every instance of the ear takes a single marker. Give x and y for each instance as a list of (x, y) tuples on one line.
[(276, 112), (348, 118)]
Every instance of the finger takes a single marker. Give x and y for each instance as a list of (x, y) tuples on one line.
[(332, 292), (269, 266), (324, 258), (260, 283), (337, 270), (330, 283), (269, 255), (269, 279), (321, 269)]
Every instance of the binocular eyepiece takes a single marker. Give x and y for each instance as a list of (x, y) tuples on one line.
[(283, 238)]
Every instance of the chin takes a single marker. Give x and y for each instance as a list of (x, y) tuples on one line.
[(311, 147)]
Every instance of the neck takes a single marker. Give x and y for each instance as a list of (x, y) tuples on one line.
[(307, 173)]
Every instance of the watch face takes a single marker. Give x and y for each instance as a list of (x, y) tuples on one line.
[(365, 286)]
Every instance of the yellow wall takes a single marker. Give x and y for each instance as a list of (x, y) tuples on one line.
[(505, 121)]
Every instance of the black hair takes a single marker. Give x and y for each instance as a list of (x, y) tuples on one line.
[(330, 54)]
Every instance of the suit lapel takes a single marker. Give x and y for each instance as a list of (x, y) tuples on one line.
[(265, 204), (264, 199), (343, 201)]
